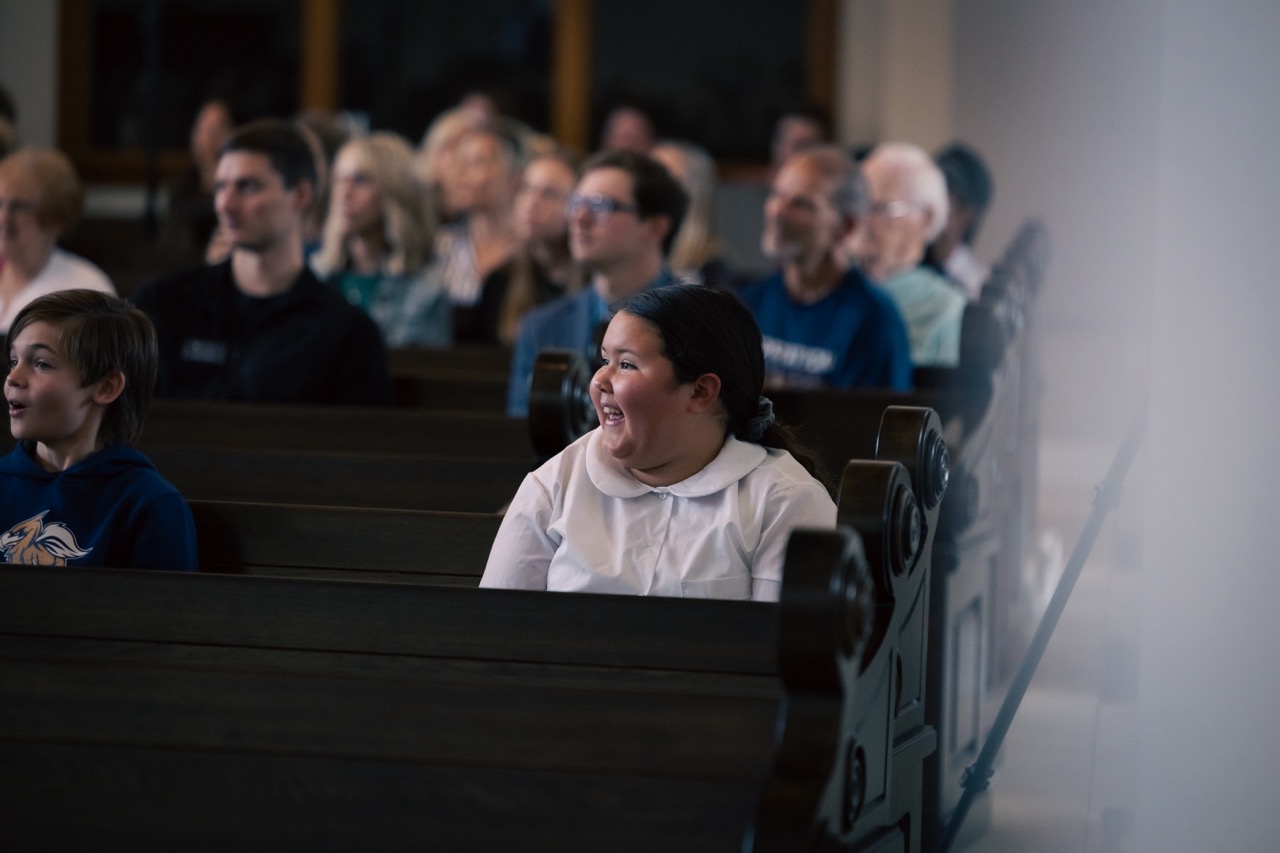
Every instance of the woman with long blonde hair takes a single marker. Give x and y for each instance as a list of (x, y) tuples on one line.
[(376, 245), (542, 267)]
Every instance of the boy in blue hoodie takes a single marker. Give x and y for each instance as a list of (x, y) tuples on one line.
[(74, 492)]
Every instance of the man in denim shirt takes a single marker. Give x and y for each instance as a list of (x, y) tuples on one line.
[(623, 216)]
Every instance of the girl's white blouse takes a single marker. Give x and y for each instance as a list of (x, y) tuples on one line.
[(582, 523)]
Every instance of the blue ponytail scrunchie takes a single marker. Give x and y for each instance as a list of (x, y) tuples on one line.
[(754, 430)]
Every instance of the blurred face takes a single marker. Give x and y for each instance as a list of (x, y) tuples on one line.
[(604, 239), (45, 401), (484, 178), (893, 238), (801, 223), (356, 199), (210, 130), (23, 239), (642, 408), (794, 134), (539, 207), (255, 210), (627, 130)]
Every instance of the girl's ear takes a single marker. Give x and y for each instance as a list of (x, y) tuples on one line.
[(705, 393), (108, 388)]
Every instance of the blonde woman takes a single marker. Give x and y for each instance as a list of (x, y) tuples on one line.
[(483, 238), (376, 243), (542, 267)]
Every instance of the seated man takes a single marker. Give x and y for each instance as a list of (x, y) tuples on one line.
[(259, 326), (623, 217), (908, 210), (824, 325)]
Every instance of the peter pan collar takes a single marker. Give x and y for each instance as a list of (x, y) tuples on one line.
[(735, 460)]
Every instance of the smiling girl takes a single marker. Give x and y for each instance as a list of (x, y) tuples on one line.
[(687, 488)]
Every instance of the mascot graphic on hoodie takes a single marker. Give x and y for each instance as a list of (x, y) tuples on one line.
[(32, 542)]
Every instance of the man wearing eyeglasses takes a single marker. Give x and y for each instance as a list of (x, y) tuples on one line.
[(824, 325), (908, 211), (623, 216)]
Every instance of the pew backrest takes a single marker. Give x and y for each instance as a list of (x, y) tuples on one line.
[(389, 481), (299, 540)]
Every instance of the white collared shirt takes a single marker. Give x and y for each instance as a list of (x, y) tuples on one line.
[(582, 523)]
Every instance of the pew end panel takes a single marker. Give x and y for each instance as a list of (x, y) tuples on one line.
[(871, 783)]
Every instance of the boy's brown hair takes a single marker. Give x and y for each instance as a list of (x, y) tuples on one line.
[(99, 333)]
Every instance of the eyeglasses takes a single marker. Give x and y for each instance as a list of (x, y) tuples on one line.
[(892, 209), (598, 205), (17, 206)]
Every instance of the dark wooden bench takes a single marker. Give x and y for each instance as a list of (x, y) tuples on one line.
[(213, 712), (265, 426), (405, 545), (467, 377), (392, 481), (299, 540)]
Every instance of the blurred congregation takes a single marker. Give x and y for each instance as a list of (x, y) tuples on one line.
[(448, 213)]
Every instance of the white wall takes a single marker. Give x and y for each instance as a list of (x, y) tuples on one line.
[(1144, 133), (1062, 99), (1210, 767), (29, 65)]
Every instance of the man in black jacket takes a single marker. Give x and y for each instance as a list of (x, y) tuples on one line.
[(259, 326)]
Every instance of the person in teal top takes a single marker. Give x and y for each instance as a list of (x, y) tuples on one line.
[(377, 243), (908, 210)]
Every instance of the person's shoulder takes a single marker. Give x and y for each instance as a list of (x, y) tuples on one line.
[(125, 465), (188, 281), (556, 312), (755, 291), (310, 290), (781, 477), (856, 287), (78, 272)]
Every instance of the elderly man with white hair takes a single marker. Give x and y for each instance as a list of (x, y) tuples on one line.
[(908, 210)]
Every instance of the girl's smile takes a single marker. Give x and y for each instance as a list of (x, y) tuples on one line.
[(658, 427)]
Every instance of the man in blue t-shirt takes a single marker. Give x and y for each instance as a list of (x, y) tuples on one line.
[(824, 325)]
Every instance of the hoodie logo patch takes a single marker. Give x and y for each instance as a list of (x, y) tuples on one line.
[(34, 543)]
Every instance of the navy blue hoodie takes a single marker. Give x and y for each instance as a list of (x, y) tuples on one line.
[(110, 509)]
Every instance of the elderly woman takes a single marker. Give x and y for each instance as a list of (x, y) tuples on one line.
[(376, 248), (40, 200), (907, 212)]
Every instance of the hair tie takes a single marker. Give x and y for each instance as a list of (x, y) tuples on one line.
[(754, 430)]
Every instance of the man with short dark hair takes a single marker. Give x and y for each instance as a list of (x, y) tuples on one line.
[(623, 216), (824, 324), (259, 326)]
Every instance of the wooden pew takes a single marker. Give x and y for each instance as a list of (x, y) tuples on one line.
[(298, 540), (336, 428), (266, 426), (466, 377), (389, 481), (211, 712), (989, 409)]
